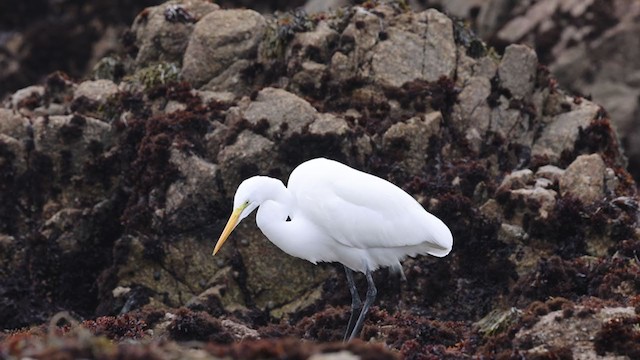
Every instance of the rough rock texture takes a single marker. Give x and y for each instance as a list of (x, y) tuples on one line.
[(560, 135), (39, 37), (162, 32), (220, 40), (412, 138), (113, 191), (517, 70), (584, 179), (591, 47), (428, 38), (285, 113), (555, 330)]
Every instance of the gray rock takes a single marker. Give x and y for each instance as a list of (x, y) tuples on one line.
[(18, 98), (554, 330), (562, 131), (525, 256), (96, 90), (67, 228), (471, 114), (353, 59), (492, 210), (230, 80), (13, 124), (518, 69), (468, 67), (331, 129), (285, 112), (240, 331), (217, 96), (160, 40), (543, 183), (310, 76), (251, 154), (71, 143), (226, 294), (550, 172), (220, 39), (364, 28), (544, 198), (30, 101), (425, 51), (584, 179), (97, 93), (411, 140), (394, 60), (512, 234), (311, 296), (216, 139), (527, 193), (185, 270), (341, 68), (611, 181), (516, 180), (171, 106), (439, 46), (512, 124), (317, 42), (189, 200), (72, 134), (591, 52), (498, 320), (328, 124)]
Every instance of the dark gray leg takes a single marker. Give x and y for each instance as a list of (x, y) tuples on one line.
[(356, 303), (371, 296)]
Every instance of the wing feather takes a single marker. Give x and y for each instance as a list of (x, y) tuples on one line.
[(363, 211)]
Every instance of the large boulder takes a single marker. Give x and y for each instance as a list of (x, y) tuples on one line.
[(221, 40), (427, 37), (162, 32)]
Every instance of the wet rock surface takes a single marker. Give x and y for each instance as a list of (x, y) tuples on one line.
[(113, 190)]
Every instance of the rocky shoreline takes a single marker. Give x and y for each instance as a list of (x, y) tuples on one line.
[(113, 190)]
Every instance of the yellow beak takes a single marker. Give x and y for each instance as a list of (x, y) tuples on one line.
[(231, 224)]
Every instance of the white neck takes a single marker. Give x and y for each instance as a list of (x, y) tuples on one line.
[(272, 220)]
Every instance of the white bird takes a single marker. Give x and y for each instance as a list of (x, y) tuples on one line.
[(333, 213)]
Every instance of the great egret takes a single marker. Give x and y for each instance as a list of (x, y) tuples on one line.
[(333, 213)]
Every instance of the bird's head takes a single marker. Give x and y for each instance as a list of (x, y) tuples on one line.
[(250, 194)]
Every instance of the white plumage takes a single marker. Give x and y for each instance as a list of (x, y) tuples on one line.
[(333, 213)]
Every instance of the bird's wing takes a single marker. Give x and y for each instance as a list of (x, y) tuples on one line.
[(361, 210)]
